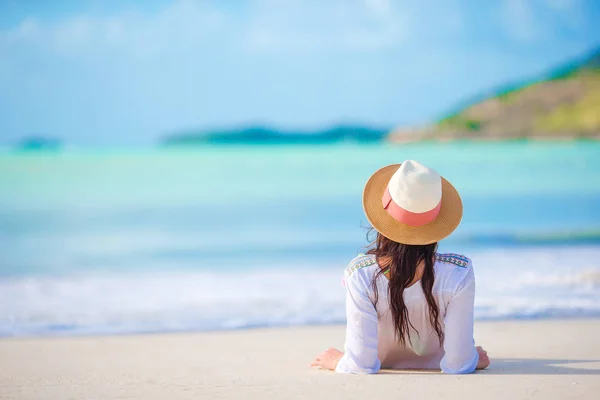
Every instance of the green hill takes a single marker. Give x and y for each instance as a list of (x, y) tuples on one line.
[(564, 104)]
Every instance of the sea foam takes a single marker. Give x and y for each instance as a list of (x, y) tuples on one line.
[(523, 283)]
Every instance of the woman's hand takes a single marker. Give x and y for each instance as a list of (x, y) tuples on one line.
[(328, 359), (484, 360)]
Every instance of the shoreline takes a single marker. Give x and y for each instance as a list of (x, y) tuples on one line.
[(258, 328), (549, 359)]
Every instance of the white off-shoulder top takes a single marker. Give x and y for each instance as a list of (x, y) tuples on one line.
[(370, 340)]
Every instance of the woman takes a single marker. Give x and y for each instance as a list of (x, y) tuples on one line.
[(408, 306)]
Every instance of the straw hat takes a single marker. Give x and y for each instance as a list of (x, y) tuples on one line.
[(410, 203)]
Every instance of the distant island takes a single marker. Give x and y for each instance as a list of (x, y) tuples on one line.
[(37, 143), (269, 136), (564, 104)]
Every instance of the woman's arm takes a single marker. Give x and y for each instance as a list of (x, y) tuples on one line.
[(461, 356), (361, 353)]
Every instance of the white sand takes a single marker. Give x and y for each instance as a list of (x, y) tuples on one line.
[(543, 359)]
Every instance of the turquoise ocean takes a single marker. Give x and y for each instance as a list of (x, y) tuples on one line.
[(226, 237)]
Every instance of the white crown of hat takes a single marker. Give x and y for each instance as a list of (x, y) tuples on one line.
[(415, 187)]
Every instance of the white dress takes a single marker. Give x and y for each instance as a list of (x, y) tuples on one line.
[(370, 341)]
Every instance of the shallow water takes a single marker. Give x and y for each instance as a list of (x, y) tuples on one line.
[(232, 237)]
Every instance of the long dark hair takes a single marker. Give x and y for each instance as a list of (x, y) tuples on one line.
[(402, 261)]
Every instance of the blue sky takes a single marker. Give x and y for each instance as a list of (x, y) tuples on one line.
[(128, 72)]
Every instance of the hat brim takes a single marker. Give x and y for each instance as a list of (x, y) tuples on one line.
[(445, 223)]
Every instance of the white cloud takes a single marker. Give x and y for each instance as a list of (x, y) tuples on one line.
[(381, 8), (181, 23), (571, 12), (520, 19), (268, 25), (311, 26), (563, 5), (531, 21)]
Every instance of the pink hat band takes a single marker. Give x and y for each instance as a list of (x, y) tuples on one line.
[(408, 217)]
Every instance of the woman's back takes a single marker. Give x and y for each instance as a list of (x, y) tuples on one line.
[(408, 306), (453, 291)]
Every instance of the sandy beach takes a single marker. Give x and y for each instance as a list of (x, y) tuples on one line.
[(557, 359)]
